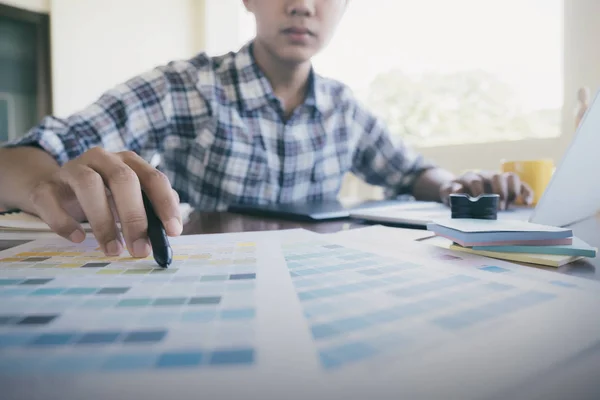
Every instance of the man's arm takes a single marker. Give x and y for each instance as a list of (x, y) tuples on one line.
[(88, 166), (117, 121), (389, 162), (22, 168), (428, 185), (393, 164)]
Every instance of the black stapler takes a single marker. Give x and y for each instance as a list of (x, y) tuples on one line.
[(480, 207)]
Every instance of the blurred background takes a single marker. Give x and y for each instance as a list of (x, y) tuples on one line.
[(467, 82)]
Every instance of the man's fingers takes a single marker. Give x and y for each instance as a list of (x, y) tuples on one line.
[(158, 189), (451, 188), (473, 184), (90, 192), (514, 187), (526, 193), (500, 187), (508, 186), (124, 187), (46, 201)]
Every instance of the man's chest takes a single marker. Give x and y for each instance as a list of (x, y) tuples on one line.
[(256, 157)]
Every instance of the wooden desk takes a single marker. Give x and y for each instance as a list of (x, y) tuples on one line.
[(223, 222)]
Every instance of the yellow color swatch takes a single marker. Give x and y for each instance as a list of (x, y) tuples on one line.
[(135, 271), (122, 259), (220, 262), (29, 254), (110, 271), (95, 254), (71, 254)]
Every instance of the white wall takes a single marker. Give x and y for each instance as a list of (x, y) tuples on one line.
[(222, 36), (97, 44), (31, 5), (226, 22)]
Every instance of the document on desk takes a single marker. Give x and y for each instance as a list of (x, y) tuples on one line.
[(19, 221), (285, 314), (383, 235)]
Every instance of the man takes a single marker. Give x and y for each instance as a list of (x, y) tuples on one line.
[(256, 126)]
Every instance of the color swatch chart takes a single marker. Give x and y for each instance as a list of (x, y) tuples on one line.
[(319, 316), (436, 249), (67, 308), (363, 306)]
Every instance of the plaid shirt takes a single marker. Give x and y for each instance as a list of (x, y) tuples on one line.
[(223, 140)]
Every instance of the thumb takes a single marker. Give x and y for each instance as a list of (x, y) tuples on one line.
[(451, 188), (527, 194)]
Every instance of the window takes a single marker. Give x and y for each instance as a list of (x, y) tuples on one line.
[(25, 94), (444, 72)]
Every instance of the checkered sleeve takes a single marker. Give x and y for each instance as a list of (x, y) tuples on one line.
[(132, 116), (383, 160)]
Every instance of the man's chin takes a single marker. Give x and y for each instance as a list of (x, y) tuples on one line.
[(297, 54)]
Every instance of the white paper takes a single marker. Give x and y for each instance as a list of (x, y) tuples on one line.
[(383, 235), (331, 318)]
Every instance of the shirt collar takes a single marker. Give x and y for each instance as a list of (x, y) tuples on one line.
[(254, 89)]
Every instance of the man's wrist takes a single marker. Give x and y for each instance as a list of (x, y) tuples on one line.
[(430, 184), (23, 168)]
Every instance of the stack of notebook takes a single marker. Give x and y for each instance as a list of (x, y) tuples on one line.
[(514, 240)]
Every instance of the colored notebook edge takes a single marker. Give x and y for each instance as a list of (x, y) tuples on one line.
[(488, 238), (470, 225), (467, 243), (578, 248), (500, 235), (549, 260)]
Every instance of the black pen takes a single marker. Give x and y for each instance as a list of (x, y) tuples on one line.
[(163, 254)]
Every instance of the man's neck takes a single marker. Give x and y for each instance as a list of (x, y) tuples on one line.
[(289, 81)]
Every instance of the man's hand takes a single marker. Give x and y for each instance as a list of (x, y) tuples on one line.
[(507, 185), (104, 188)]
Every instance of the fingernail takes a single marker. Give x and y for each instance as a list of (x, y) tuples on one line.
[(77, 236), (174, 227), (113, 248), (141, 248)]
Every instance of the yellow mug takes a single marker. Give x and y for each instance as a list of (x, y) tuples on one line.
[(536, 173)]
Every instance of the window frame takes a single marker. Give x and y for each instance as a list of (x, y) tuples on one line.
[(44, 71), (580, 54)]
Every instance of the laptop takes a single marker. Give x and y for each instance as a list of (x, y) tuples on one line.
[(572, 195)]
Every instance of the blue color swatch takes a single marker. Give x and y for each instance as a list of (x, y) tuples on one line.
[(232, 357), (179, 360), (495, 269)]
